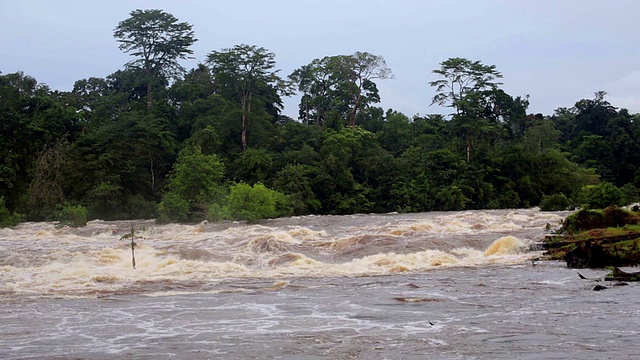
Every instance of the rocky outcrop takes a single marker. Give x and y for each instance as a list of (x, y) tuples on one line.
[(597, 239)]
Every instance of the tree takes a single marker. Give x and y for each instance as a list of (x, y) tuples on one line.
[(32, 117), (464, 86), (194, 184), (315, 83), (339, 85), (460, 77), (244, 73), (158, 41), (360, 69)]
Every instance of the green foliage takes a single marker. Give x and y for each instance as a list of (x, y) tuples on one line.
[(586, 219), (72, 216), (451, 198), (555, 202), (601, 196), (173, 208), (459, 78), (194, 184), (217, 213), (7, 218), (246, 202), (297, 182), (158, 41), (196, 177), (245, 75), (101, 145), (253, 166), (338, 88), (631, 194)]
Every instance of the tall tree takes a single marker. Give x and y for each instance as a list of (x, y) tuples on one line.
[(360, 69), (158, 41), (314, 81), (245, 73), (459, 77), (339, 85), (463, 86)]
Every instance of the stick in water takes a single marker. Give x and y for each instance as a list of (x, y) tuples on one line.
[(133, 246)]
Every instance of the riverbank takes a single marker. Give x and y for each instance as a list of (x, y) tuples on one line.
[(597, 239)]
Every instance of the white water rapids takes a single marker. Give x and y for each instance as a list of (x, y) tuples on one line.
[(393, 286)]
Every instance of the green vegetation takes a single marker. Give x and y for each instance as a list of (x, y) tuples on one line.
[(8, 219), (156, 140), (246, 202), (555, 202), (601, 196), (598, 238), (72, 216), (587, 219)]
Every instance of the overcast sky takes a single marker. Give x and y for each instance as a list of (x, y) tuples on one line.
[(557, 51)]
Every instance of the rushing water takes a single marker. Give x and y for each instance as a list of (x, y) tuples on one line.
[(395, 286)]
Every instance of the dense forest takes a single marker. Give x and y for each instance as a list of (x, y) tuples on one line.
[(155, 140)]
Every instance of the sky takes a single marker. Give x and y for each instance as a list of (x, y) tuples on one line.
[(555, 51)]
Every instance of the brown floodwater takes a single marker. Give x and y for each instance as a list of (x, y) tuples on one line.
[(451, 285)]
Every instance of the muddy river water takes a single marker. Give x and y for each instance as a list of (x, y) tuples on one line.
[(451, 285)]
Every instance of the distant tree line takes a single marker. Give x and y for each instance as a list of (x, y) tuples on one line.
[(155, 140)]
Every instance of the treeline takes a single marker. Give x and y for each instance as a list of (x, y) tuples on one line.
[(153, 140)]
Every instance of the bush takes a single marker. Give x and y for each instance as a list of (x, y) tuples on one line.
[(217, 213), (194, 184), (72, 216), (555, 202), (138, 207), (7, 218), (601, 196), (255, 202), (587, 219), (173, 208), (631, 194)]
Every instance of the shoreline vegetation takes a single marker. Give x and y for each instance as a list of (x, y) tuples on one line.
[(604, 238), (154, 140)]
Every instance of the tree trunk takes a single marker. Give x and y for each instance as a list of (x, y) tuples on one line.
[(468, 146), (246, 109), (306, 110), (149, 95), (352, 115), (153, 175)]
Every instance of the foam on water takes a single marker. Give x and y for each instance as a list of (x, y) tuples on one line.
[(49, 261)]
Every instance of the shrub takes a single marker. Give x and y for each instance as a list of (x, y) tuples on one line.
[(217, 213), (194, 184), (7, 218), (173, 208), (587, 219), (255, 202), (555, 202), (72, 216), (600, 196), (139, 208), (631, 194)]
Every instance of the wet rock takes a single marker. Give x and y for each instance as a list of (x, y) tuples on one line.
[(599, 288), (587, 255), (619, 275), (597, 239)]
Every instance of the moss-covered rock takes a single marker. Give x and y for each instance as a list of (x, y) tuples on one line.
[(587, 219), (597, 238)]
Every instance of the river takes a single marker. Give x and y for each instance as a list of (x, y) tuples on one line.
[(441, 285)]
